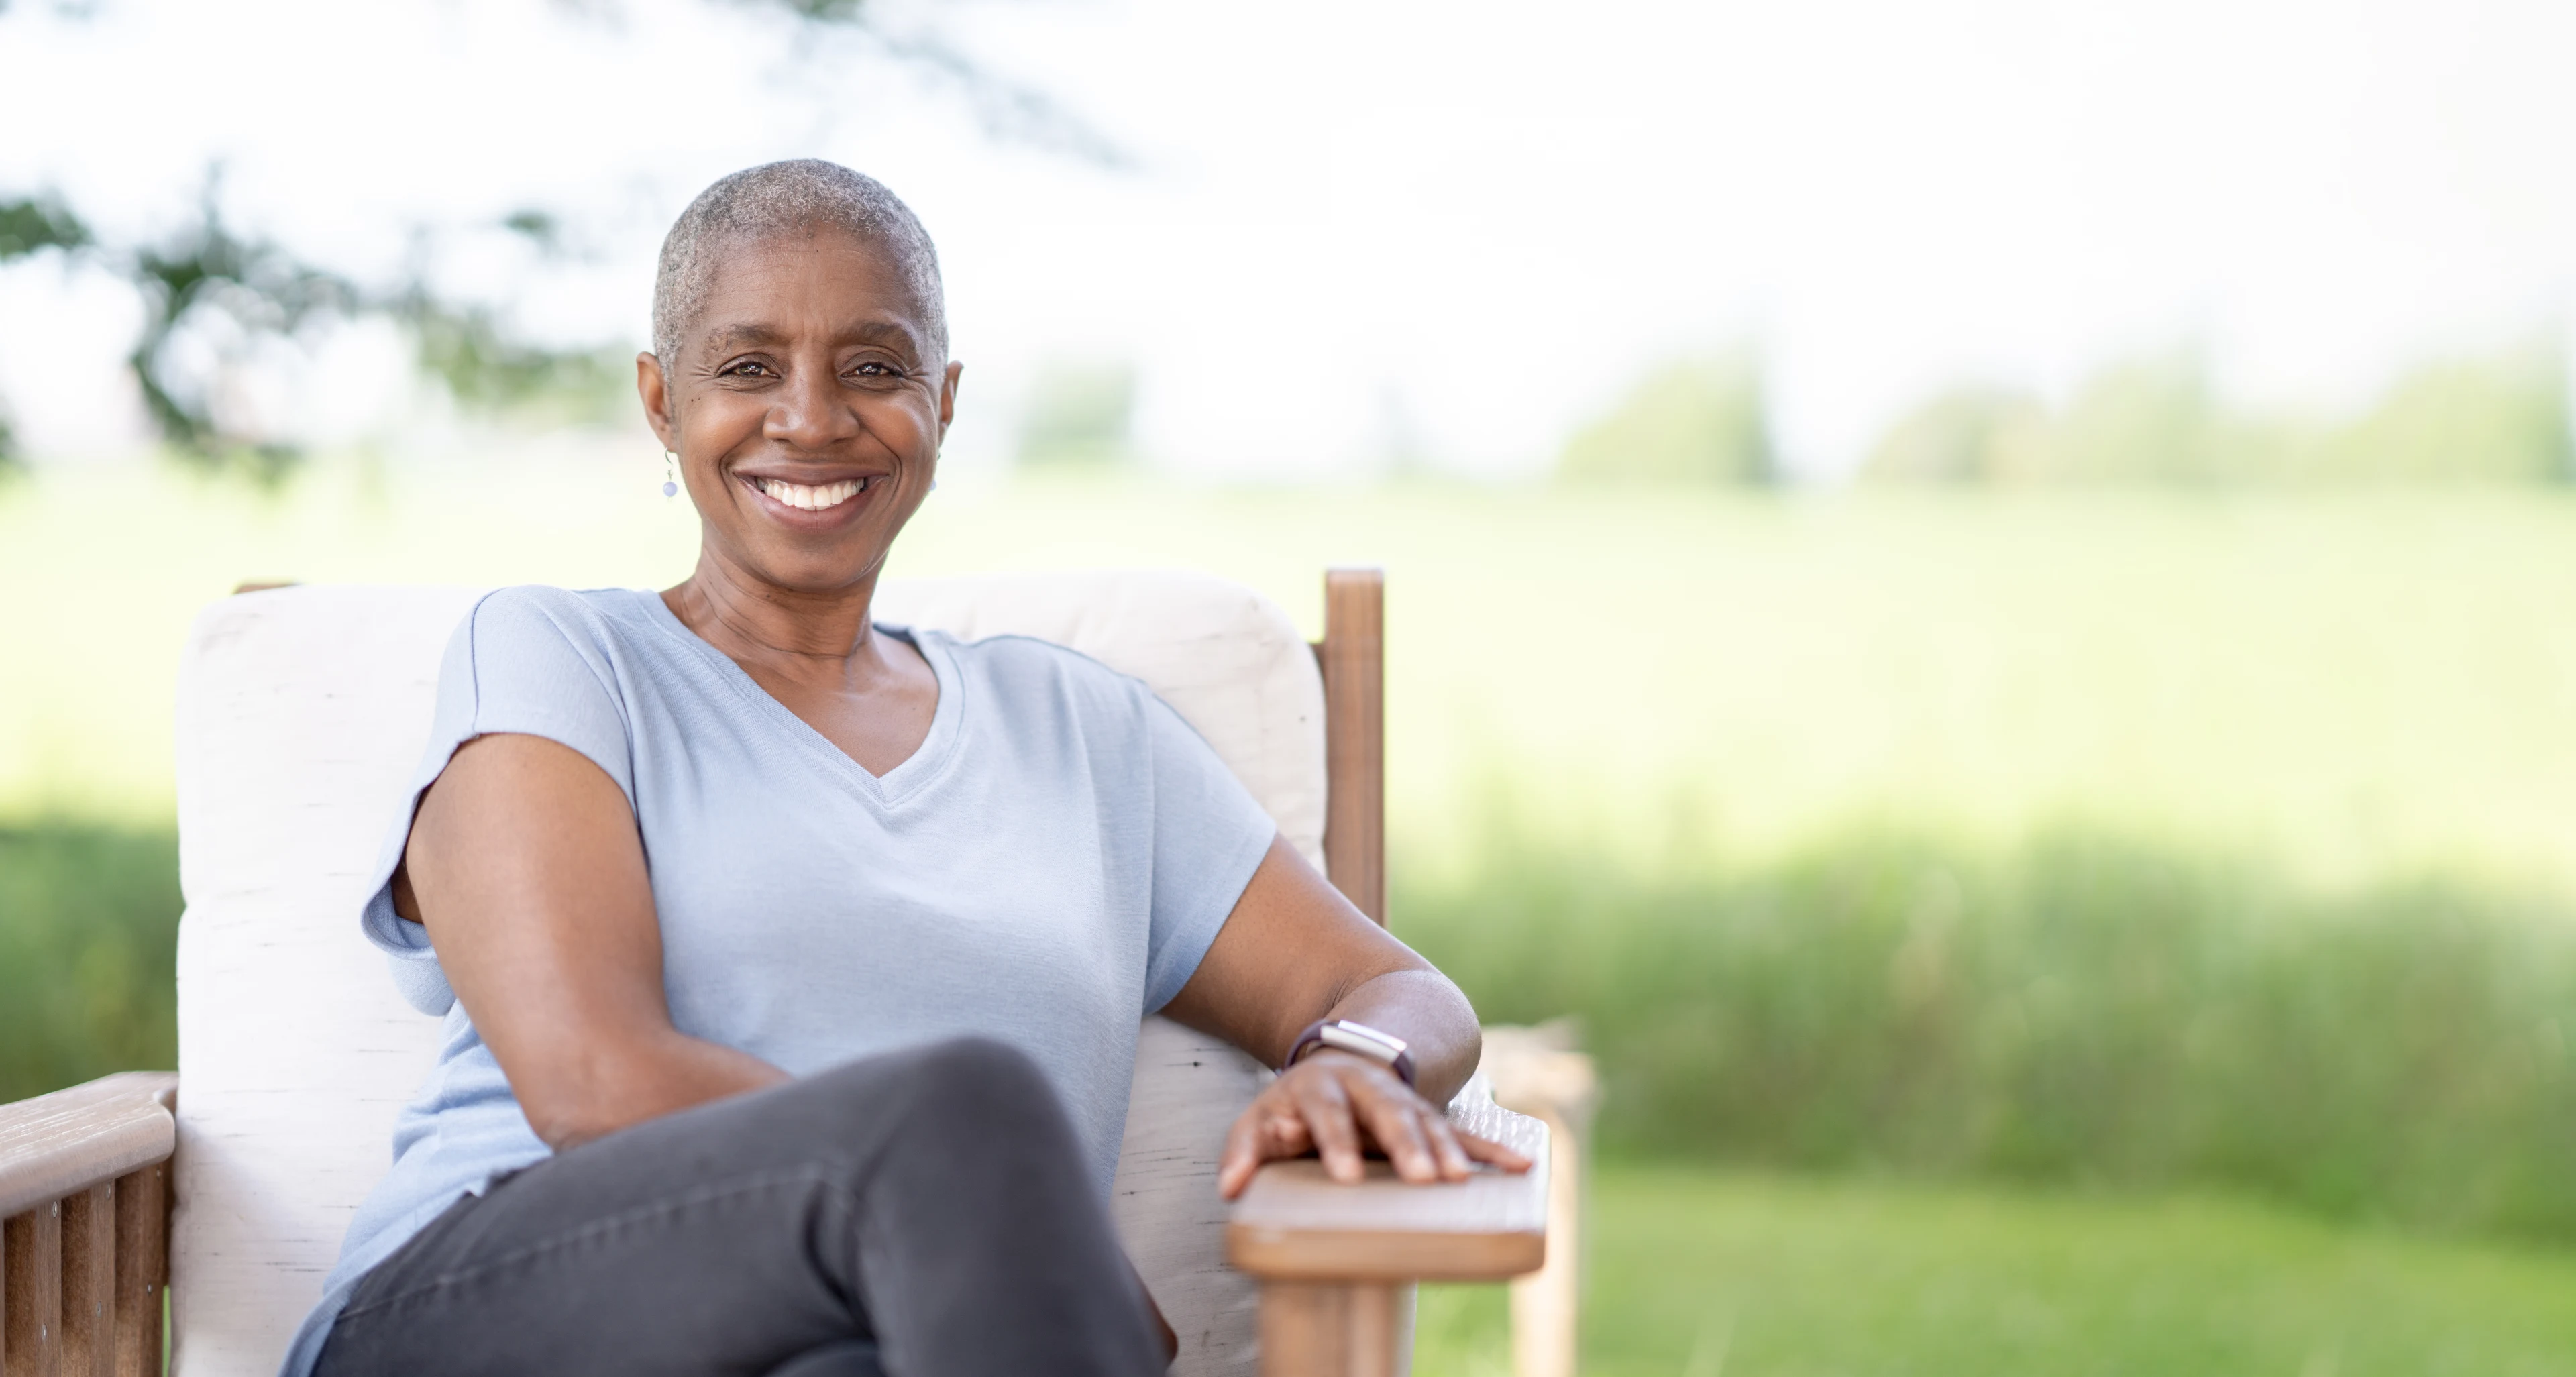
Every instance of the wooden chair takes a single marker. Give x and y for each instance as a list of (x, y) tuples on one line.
[(301, 709)]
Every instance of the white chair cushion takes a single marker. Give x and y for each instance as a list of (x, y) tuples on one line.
[(301, 713)]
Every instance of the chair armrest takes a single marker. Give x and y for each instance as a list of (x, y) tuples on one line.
[(1296, 1224), (54, 1145)]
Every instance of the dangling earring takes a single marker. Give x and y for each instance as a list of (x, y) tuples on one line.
[(670, 484)]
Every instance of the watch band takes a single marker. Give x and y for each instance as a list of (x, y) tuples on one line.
[(1386, 1049)]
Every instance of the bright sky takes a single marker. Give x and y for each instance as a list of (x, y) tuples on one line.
[(1352, 229)]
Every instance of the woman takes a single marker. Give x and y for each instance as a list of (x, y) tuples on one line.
[(792, 964)]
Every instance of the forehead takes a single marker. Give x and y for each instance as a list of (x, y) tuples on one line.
[(780, 287)]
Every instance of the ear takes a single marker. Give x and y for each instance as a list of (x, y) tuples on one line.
[(948, 396), (656, 392)]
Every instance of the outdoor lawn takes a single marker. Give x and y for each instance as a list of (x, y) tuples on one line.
[(1712, 1273), (2051, 934)]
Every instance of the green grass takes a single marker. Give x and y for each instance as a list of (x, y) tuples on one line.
[(88, 932), (2347, 686), (2088, 1011), (1706, 1274), (2089, 1008)]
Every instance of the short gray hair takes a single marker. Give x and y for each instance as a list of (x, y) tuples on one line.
[(776, 199)]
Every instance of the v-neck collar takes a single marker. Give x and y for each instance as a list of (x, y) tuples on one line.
[(889, 789)]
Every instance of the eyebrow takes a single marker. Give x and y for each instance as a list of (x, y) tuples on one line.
[(865, 332), (735, 336)]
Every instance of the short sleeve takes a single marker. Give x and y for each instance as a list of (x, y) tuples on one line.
[(1210, 835), (531, 661)]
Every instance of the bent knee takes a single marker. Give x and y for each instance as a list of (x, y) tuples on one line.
[(976, 1057), (981, 1082), (962, 1083), (982, 1065)]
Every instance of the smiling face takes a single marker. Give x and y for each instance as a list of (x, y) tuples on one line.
[(806, 405)]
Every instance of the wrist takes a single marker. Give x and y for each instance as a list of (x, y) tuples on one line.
[(1356, 1040)]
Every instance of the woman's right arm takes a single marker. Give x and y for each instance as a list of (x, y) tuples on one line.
[(525, 865)]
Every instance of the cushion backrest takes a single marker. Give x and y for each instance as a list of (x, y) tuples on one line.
[(302, 711)]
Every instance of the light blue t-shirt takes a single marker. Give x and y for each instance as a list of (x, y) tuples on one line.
[(1047, 869)]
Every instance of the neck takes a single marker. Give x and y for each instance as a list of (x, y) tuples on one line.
[(798, 633)]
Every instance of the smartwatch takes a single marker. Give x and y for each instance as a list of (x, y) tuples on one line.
[(1386, 1049)]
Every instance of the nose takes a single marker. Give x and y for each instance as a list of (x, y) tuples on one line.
[(810, 413)]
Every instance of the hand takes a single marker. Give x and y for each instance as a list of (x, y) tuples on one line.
[(1337, 1104)]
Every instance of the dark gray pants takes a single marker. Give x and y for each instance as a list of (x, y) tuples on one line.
[(926, 1210)]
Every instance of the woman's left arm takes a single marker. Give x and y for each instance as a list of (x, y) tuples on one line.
[(1295, 951)]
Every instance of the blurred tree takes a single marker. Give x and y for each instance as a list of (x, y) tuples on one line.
[(1079, 415), (33, 224), (2498, 419), (468, 349), (1008, 110), (214, 300), (234, 296), (28, 226), (2146, 420), (1969, 435), (1695, 421)]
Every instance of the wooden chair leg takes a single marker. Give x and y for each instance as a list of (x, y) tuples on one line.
[(1547, 1302), (34, 1281), (1336, 1329), (1538, 1072), (89, 1282), (142, 1268)]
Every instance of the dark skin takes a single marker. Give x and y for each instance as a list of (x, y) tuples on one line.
[(810, 366)]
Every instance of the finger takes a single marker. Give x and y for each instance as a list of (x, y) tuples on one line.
[(1267, 1130), (1396, 1124), (1455, 1165), (1254, 1139), (1488, 1151), (1285, 1135), (1242, 1155), (1326, 1109)]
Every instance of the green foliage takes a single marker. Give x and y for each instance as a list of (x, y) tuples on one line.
[(2502, 420), (241, 294), (538, 226), (1972, 435), (31, 224), (826, 11), (1694, 422), (2091, 1009), (242, 291), (2147, 420), (1079, 415), (1709, 1274), (489, 371), (89, 921), (2157, 421)]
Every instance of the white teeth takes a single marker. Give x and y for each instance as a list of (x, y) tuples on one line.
[(813, 498)]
